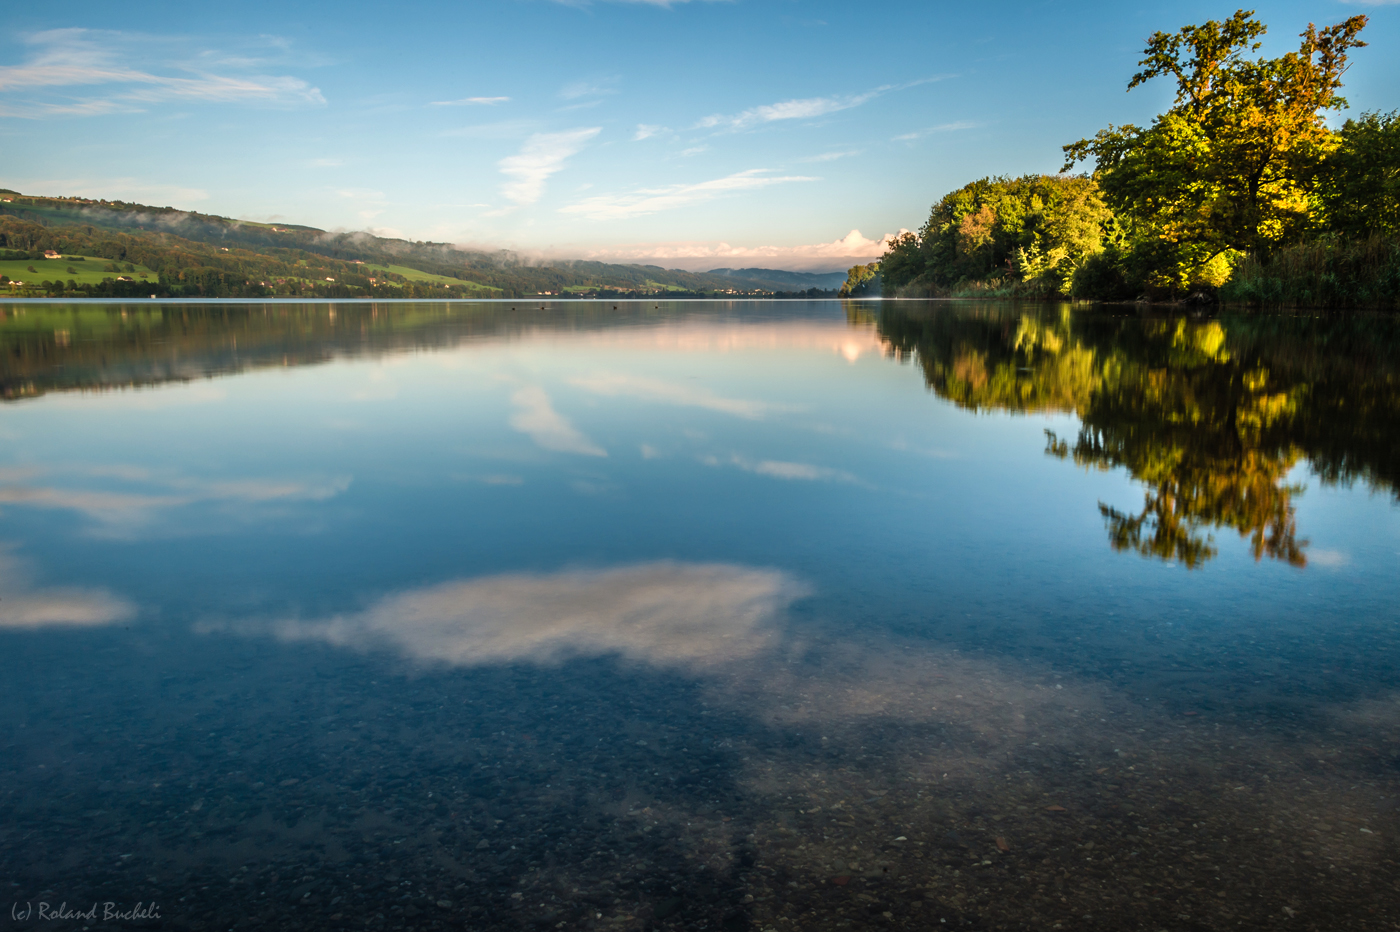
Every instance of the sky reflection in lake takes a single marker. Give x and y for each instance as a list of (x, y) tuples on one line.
[(702, 615)]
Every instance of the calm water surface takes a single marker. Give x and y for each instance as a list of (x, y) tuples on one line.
[(770, 616)]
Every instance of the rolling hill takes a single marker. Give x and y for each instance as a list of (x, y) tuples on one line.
[(135, 250)]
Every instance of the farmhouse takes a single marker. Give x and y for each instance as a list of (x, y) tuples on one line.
[(50, 254)]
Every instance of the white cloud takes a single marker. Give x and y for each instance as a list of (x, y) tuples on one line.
[(129, 72), (664, 613), (577, 89), (536, 418), (831, 156), (652, 200), (940, 128), (470, 102), (613, 385), (805, 108), (542, 155), (22, 606), (703, 256), (646, 132)]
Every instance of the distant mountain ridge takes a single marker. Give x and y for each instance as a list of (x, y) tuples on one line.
[(185, 253)]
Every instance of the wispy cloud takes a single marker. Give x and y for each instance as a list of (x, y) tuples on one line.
[(644, 131), (128, 72), (805, 108), (617, 384), (536, 418), (942, 128), (119, 511), (543, 155), (470, 102), (831, 156), (576, 90), (652, 200)]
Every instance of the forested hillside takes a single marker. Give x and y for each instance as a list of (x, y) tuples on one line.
[(115, 249)]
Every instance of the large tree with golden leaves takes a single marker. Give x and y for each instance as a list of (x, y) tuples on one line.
[(1227, 167)]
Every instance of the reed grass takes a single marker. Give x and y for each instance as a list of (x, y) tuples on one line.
[(1327, 273)]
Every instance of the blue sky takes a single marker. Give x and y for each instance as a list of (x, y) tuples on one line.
[(702, 134)]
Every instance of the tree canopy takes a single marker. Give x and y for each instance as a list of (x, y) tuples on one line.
[(1240, 189), (1229, 166)]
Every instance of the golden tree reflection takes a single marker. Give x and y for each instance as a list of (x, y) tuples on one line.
[(1212, 416)]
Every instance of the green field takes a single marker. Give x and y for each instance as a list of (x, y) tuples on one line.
[(89, 270), (648, 286), (414, 275)]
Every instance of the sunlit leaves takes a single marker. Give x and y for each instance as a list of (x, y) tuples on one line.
[(1229, 166)]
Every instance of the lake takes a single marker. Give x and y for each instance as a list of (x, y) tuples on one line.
[(698, 615)]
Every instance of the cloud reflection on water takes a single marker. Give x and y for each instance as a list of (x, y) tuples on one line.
[(663, 613), (122, 511), (24, 607), (536, 418), (613, 384)]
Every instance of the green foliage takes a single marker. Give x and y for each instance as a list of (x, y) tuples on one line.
[(84, 273), (861, 281), (1331, 271), (1230, 168), (1359, 182), (1239, 190), (1025, 235)]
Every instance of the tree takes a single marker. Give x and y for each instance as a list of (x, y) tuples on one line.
[(1030, 233), (861, 281), (1228, 167), (1359, 182)]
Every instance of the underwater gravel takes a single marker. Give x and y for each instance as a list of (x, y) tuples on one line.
[(270, 788)]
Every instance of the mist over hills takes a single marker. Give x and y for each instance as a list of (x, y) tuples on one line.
[(186, 254)]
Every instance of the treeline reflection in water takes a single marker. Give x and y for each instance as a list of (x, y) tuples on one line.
[(1211, 414)]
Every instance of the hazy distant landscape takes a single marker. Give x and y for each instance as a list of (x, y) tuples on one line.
[(114, 249)]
